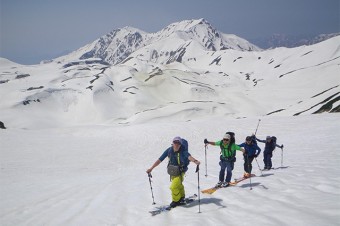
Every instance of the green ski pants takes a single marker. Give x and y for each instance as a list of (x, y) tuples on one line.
[(177, 188)]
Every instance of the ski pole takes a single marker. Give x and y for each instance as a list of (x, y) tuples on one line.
[(153, 199), (251, 188), (257, 126), (255, 157), (282, 157), (206, 166), (198, 187), (259, 166)]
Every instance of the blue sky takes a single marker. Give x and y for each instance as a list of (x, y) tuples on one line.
[(34, 30)]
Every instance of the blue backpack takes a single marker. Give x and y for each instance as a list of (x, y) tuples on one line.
[(183, 155), (185, 144)]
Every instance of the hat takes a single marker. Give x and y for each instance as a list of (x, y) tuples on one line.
[(268, 137), (248, 138), (179, 139), (226, 136)]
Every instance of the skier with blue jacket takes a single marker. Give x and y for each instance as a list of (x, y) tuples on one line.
[(179, 157), (252, 150)]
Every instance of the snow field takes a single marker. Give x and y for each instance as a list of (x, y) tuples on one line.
[(95, 175)]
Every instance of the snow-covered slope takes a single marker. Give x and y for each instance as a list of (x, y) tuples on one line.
[(82, 132), (290, 41), (191, 83), (95, 175)]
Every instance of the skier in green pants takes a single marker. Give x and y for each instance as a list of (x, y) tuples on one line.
[(179, 159)]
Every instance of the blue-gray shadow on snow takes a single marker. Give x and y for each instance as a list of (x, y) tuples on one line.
[(253, 185), (205, 201), (267, 174), (281, 167)]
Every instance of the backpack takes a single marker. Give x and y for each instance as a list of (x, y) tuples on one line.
[(274, 141), (253, 140), (232, 137), (185, 144), (185, 152)]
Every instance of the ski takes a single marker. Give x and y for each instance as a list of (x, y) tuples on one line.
[(166, 208), (210, 190), (213, 189), (275, 168), (241, 179)]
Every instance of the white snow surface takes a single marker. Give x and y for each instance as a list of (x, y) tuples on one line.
[(95, 175), (228, 83), (81, 134)]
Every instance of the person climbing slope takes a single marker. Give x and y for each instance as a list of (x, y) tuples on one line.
[(227, 158), (179, 158), (252, 150)]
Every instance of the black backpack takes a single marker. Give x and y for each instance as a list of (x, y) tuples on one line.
[(232, 137), (253, 139), (274, 141)]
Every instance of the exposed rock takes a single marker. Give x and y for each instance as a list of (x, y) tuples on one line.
[(2, 125)]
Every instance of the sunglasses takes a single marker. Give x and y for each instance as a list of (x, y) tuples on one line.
[(177, 142), (225, 139)]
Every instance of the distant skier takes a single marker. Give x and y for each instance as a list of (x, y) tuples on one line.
[(179, 158), (251, 152), (228, 153), (270, 145)]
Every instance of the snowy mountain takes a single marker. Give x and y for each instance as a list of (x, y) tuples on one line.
[(187, 71), (290, 41), (167, 45), (81, 133)]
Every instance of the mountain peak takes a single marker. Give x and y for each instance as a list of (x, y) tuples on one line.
[(132, 29), (184, 25), (117, 45)]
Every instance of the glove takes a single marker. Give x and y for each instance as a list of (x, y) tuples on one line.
[(206, 141), (281, 146), (256, 156)]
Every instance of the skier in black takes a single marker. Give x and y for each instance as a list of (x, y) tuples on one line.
[(270, 145)]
